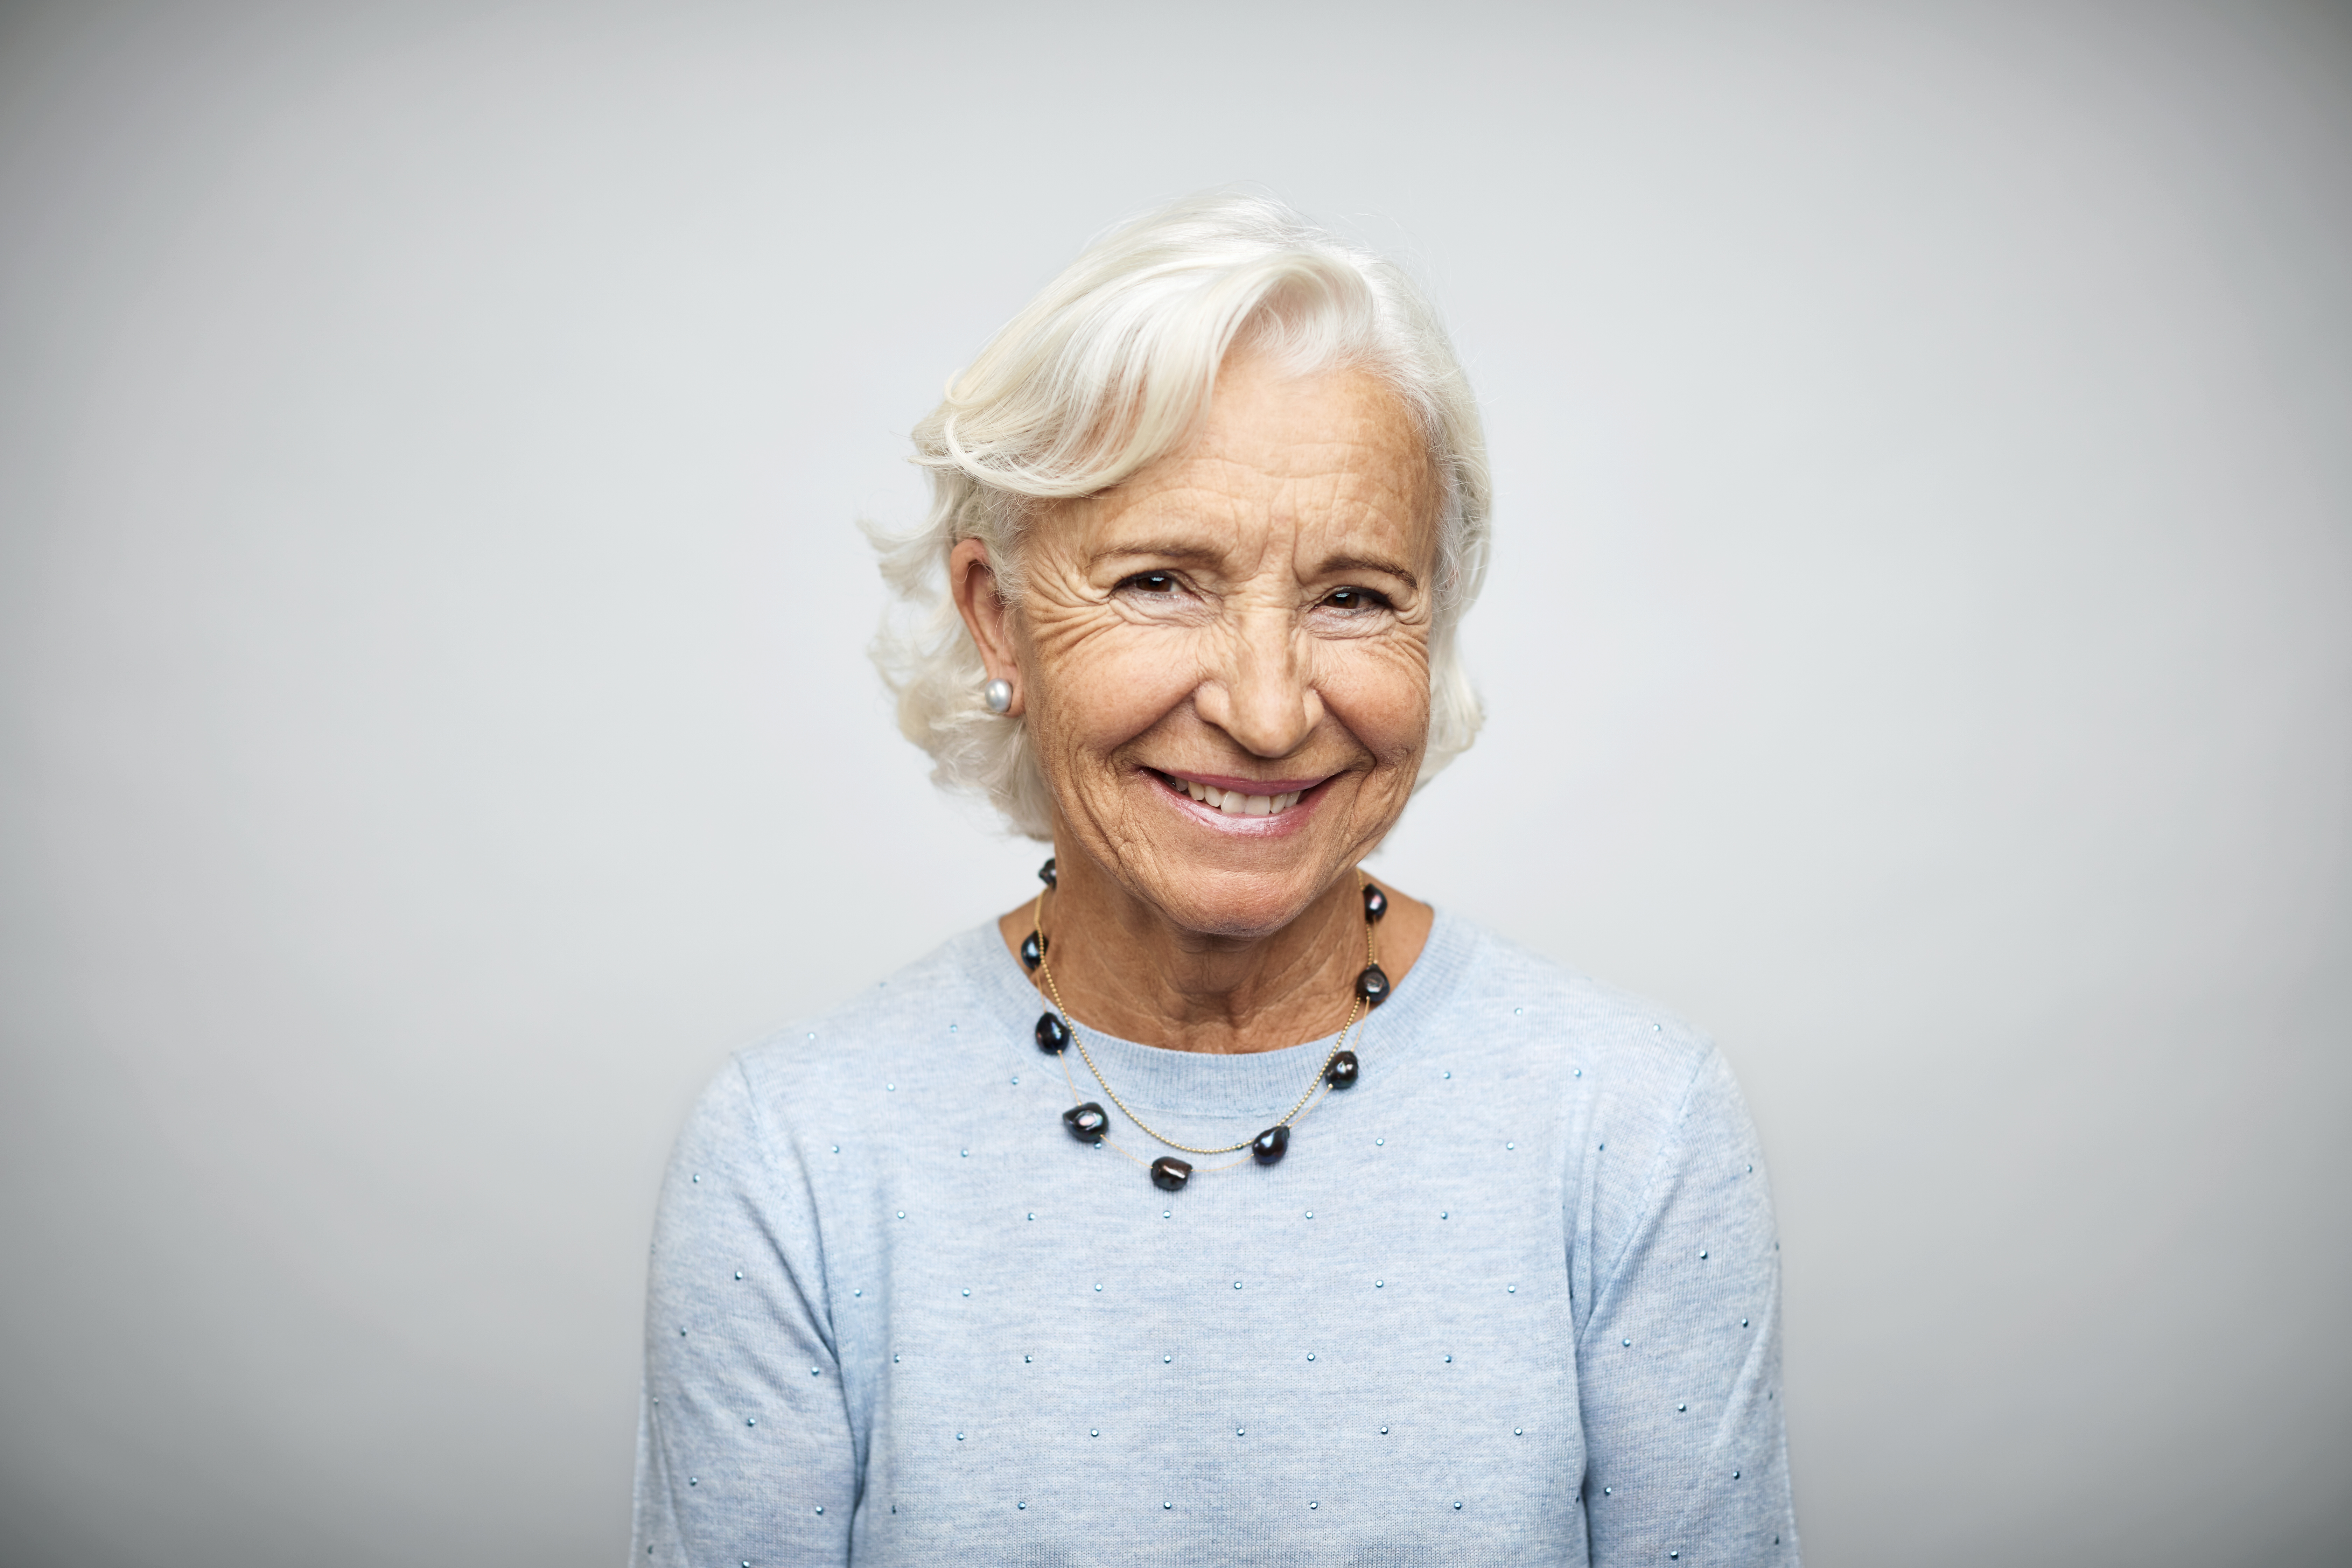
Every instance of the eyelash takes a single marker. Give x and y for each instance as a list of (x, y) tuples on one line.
[(1373, 599)]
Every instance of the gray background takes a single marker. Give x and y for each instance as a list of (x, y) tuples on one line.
[(434, 727)]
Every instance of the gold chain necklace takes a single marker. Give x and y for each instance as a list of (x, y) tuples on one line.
[(1089, 1123)]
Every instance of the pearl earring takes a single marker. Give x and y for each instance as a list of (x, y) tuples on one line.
[(998, 695)]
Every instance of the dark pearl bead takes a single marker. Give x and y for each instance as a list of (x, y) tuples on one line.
[(1087, 1122), (1032, 949), (1269, 1146), (1169, 1173), (1053, 1035), (1045, 872), (1341, 1073), (1372, 984), (1376, 903)]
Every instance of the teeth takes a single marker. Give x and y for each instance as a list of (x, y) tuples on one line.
[(1235, 803)]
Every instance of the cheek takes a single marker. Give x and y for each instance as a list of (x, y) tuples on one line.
[(1380, 692), (1099, 685)]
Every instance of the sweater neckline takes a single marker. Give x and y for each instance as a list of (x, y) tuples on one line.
[(1198, 1085)]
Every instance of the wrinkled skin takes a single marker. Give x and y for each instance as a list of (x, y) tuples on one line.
[(1252, 610)]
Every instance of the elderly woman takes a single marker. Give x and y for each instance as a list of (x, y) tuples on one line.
[(1219, 1202)]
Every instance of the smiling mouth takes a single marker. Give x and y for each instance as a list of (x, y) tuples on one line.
[(1232, 802)]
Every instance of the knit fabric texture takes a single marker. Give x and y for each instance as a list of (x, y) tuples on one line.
[(1512, 1299)]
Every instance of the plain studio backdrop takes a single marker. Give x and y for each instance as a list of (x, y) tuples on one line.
[(434, 724)]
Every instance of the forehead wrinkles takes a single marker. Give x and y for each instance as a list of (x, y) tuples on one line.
[(1332, 457), (1346, 431)]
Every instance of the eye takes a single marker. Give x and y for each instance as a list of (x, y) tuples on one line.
[(1355, 599), (1160, 583)]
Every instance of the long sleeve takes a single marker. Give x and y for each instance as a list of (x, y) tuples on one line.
[(1679, 1343), (744, 1448)]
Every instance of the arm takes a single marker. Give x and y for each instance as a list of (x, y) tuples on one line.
[(1679, 1352), (744, 1451)]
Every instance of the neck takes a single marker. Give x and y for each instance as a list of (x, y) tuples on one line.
[(1124, 968)]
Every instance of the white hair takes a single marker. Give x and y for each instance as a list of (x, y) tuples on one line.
[(1111, 367)]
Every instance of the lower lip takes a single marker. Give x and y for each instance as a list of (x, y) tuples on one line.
[(1274, 827)]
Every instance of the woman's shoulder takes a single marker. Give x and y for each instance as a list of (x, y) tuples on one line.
[(913, 1033), (939, 987), (1640, 1085), (1550, 1015)]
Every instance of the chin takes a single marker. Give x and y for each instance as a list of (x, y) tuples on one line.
[(1229, 901)]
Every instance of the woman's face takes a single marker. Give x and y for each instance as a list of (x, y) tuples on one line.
[(1224, 662)]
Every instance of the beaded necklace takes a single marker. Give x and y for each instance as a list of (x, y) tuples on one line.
[(1089, 1123)]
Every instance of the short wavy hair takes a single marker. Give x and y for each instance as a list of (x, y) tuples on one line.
[(1111, 367)]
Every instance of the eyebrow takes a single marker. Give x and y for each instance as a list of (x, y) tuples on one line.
[(1167, 550), (1332, 563), (1194, 553)]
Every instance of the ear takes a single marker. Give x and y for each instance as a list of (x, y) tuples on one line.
[(985, 615)]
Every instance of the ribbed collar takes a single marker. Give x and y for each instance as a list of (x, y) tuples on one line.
[(1202, 1085)]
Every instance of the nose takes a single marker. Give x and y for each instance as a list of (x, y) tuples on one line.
[(1264, 695)]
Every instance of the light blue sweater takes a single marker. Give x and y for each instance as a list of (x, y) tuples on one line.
[(1512, 1299)]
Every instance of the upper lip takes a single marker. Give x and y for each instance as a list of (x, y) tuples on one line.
[(1246, 786)]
